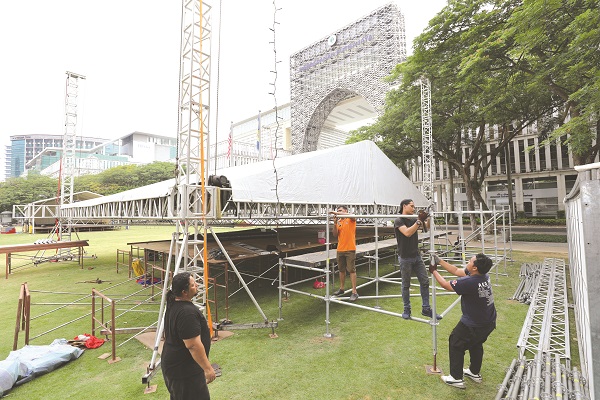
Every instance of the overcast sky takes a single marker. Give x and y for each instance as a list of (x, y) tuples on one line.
[(129, 52)]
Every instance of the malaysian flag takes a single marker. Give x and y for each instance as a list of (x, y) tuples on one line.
[(258, 135), (230, 141)]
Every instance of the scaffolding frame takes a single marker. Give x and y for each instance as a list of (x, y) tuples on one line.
[(376, 220)]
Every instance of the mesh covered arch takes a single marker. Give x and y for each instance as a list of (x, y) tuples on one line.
[(351, 62)]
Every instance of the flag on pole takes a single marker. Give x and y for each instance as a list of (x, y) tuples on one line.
[(258, 135), (230, 141)]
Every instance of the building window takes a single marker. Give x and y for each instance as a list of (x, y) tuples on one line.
[(502, 155), (542, 151), (499, 186), (564, 153), (553, 156), (570, 182), (460, 188), (522, 155), (531, 154), (546, 206), (540, 183)]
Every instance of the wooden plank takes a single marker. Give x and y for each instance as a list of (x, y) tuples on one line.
[(18, 248)]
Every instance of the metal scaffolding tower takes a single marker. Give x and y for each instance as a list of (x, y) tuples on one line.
[(67, 168), (188, 242), (427, 144)]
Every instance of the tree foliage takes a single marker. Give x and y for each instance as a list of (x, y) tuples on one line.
[(488, 68), (34, 187)]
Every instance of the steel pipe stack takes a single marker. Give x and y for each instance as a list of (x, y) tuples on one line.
[(545, 337), (542, 378)]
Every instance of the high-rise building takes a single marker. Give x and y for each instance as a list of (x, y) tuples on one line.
[(24, 148), (43, 153)]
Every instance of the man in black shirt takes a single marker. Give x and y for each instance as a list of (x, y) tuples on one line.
[(478, 316), (409, 257), (184, 359)]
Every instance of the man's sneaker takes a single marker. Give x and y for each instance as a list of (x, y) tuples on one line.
[(338, 292), (406, 313), (457, 383), (475, 377), (428, 313), (353, 297)]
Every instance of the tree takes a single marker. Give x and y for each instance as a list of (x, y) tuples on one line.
[(558, 44), (34, 187)]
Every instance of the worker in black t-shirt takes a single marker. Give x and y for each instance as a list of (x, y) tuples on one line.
[(184, 359), (478, 318), (409, 258)]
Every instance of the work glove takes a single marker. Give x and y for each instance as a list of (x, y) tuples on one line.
[(422, 216), (435, 259), (432, 268)]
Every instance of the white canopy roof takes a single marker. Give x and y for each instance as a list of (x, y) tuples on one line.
[(358, 173), (353, 174)]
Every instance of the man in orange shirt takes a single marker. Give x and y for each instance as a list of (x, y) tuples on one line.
[(345, 230)]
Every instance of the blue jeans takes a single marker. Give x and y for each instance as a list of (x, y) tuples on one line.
[(407, 267)]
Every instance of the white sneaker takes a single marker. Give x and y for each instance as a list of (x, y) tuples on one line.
[(457, 383), (475, 377)]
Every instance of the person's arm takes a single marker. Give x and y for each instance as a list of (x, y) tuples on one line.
[(454, 270), (440, 279), (335, 227), (409, 231), (196, 349)]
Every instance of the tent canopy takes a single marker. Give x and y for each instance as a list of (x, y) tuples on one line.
[(358, 173), (353, 174)]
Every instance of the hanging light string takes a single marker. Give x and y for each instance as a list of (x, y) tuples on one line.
[(277, 118)]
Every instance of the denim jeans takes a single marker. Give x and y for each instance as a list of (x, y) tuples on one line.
[(408, 266)]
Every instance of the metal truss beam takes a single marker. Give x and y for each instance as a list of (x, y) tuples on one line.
[(546, 327), (67, 170), (427, 144)]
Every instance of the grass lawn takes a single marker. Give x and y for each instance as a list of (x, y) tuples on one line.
[(371, 356)]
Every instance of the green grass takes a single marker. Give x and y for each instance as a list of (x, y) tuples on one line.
[(371, 356), (537, 237)]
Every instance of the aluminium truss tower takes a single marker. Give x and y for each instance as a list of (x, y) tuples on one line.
[(427, 144), (67, 163), (189, 240)]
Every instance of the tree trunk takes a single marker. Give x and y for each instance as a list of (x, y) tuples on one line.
[(451, 171), (509, 181)]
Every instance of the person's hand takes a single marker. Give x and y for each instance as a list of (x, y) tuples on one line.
[(432, 268), (423, 215), (435, 259), (210, 375), (419, 223)]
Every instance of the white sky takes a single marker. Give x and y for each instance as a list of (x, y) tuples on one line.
[(129, 52)]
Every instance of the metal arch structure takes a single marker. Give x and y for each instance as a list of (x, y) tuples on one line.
[(426, 139), (353, 61)]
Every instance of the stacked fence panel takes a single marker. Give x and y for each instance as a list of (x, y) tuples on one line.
[(582, 211)]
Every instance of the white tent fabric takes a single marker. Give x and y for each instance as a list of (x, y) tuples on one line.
[(353, 174)]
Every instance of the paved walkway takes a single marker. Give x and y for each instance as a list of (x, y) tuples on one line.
[(541, 247)]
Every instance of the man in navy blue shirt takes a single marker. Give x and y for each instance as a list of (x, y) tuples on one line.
[(478, 316)]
